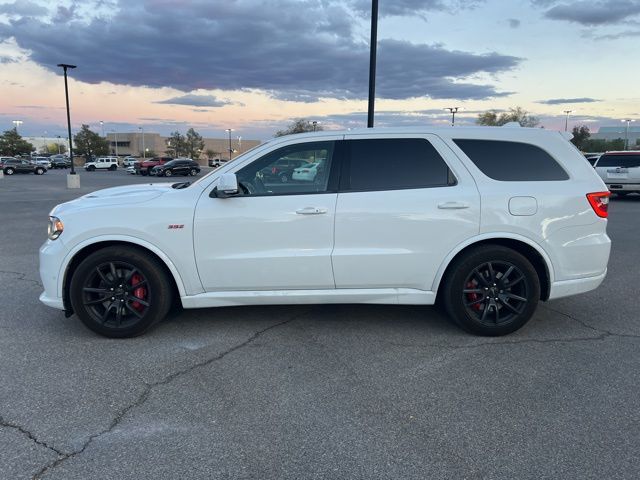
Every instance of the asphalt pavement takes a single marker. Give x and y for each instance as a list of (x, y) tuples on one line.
[(321, 392)]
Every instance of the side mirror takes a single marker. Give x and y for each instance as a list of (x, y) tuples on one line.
[(227, 186)]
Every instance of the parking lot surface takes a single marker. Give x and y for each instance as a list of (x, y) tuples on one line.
[(326, 391)]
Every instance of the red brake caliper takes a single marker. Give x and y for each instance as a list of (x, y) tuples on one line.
[(139, 292), (473, 296)]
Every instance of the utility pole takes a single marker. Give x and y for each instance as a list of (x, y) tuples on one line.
[(73, 181), (566, 119), (453, 111), (229, 130), (373, 46)]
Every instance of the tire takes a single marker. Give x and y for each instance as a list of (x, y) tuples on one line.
[(114, 305), (113, 168), (143, 173), (284, 178), (91, 168), (480, 276), (168, 173), (9, 171), (193, 172), (39, 171)]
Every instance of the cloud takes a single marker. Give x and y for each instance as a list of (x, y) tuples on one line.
[(23, 8), (562, 101), (299, 50), (514, 23), (616, 36), (590, 13), (414, 7), (196, 101)]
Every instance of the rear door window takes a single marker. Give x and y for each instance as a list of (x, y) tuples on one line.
[(512, 161), (393, 164)]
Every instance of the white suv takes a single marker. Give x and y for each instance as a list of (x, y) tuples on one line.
[(486, 220), (620, 171), (102, 163)]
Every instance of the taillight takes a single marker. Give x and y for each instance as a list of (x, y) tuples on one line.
[(599, 201)]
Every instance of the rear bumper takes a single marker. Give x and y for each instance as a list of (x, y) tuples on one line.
[(566, 288)]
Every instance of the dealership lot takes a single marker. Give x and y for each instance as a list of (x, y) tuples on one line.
[(329, 391)]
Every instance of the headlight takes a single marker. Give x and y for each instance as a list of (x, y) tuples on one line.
[(56, 227)]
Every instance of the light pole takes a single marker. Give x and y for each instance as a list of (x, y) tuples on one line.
[(453, 111), (72, 182), (315, 125), (116, 137), (45, 149), (626, 132), (16, 124), (102, 127), (144, 150), (566, 119), (373, 45), (229, 130), (239, 144), (58, 144)]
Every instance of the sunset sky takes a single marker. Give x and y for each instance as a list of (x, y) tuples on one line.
[(255, 65)]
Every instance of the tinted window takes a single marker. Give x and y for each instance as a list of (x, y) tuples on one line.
[(628, 161), (393, 164), (512, 161), (311, 177)]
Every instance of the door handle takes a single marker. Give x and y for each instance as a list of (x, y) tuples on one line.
[(311, 211), (453, 205)]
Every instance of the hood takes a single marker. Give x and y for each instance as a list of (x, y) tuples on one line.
[(125, 195)]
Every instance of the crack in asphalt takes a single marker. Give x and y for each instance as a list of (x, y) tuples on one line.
[(21, 277), (28, 434), (606, 333), (148, 388)]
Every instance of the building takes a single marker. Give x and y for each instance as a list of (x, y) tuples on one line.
[(619, 131), (41, 143), (137, 144)]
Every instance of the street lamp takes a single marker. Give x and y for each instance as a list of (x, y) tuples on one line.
[(102, 127), (626, 132), (144, 150), (566, 119), (16, 124), (453, 111), (58, 144), (45, 149), (373, 44), (315, 125), (116, 137), (229, 130), (76, 182), (240, 144)]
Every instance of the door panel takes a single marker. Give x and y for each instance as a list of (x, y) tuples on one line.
[(399, 238)]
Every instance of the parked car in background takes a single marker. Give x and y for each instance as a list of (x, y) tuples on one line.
[(620, 171), (14, 165), (490, 221), (102, 163), (282, 171), (129, 161), (42, 161), (145, 167), (307, 173), (60, 161), (216, 162), (131, 170), (177, 167)]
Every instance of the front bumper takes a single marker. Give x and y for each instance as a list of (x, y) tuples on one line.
[(52, 254)]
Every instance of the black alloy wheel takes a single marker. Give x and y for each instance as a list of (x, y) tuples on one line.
[(167, 173), (491, 290), (193, 172), (120, 292), (92, 168)]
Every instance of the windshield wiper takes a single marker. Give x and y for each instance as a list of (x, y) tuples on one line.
[(180, 185)]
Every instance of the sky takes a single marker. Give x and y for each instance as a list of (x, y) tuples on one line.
[(255, 65)]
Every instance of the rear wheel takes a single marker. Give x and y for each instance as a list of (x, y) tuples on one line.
[(491, 290), (193, 172), (39, 171), (113, 168), (168, 173), (120, 292), (284, 178), (9, 171), (91, 168)]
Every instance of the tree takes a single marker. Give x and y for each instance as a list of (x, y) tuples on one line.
[(518, 114), (54, 147), (601, 145), (88, 143), (176, 142), (193, 144), (11, 144), (299, 125), (580, 135)]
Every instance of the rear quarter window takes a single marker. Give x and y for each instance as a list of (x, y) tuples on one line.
[(512, 161)]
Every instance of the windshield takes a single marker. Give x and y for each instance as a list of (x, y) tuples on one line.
[(627, 161)]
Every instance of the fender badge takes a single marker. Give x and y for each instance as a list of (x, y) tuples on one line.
[(174, 226)]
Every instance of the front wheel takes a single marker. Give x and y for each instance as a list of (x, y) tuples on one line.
[(491, 290), (120, 292), (91, 168), (168, 173), (113, 168), (9, 171), (193, 172), (39, 171)]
